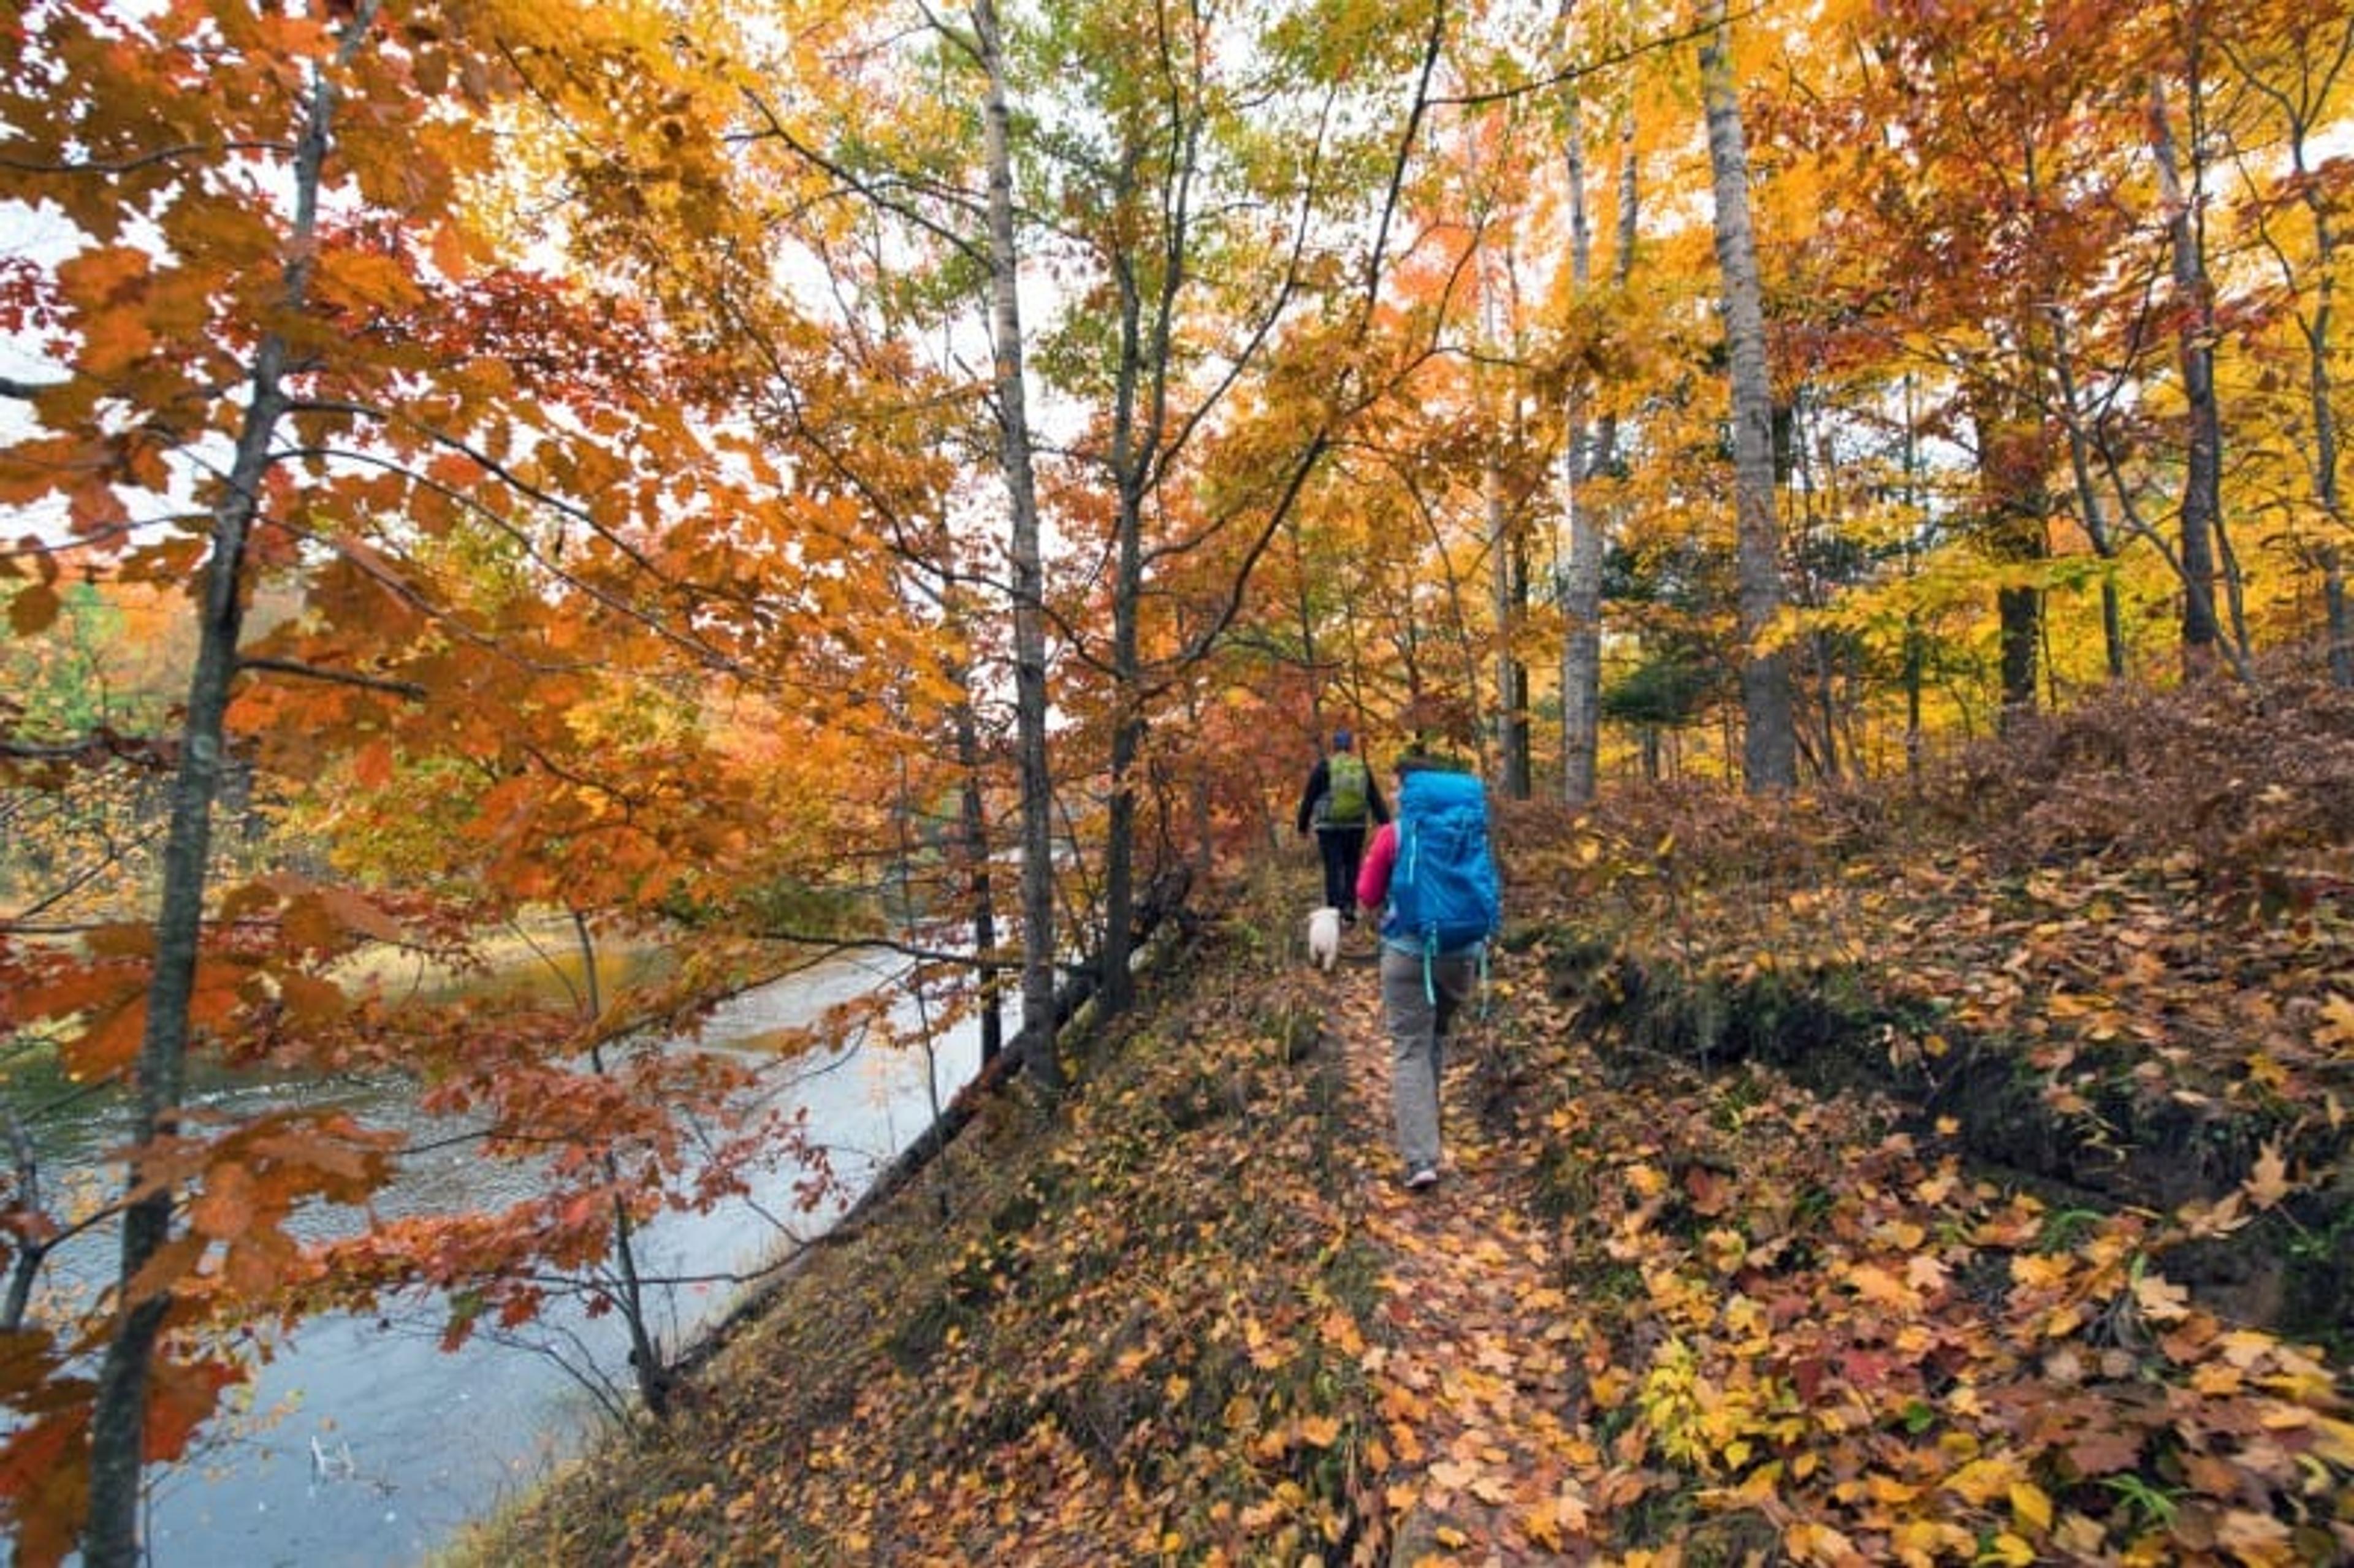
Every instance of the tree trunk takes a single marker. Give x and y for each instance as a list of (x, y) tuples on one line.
[(980, 891), (2320, 387), (118, 1415), (646, 1359), (2340, 623), (117, 1419), (1137, 406), (2088, 499), (1578, 582), (1030, 695), (1200, 801), (1507, 602), (1588, 457), (1769, 742), (2202, 475)]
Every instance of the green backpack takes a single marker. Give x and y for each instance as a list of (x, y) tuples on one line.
[(1344, 789)]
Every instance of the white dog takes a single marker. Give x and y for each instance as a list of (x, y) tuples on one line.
[(1324, 938)]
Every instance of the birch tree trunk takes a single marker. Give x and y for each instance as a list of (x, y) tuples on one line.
[(1026, 563), (1581, 576), (1769, 742), (1590, 452)]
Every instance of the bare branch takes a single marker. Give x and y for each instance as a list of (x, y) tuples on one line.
[(147, 160), (408, 689)]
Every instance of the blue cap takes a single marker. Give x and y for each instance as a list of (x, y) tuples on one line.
[(1340, 739)]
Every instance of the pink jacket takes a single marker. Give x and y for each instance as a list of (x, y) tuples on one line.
[(1373, 870)]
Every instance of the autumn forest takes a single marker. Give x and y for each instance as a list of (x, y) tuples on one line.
[(1860, 481)]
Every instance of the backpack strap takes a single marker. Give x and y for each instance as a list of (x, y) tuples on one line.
[(1429, 970)]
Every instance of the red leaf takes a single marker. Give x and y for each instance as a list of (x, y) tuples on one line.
[(180, 1395)]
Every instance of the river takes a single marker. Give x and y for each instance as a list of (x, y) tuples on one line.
[(364, 1444)]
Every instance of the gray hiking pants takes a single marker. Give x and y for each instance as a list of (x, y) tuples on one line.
[(1420, 1009)]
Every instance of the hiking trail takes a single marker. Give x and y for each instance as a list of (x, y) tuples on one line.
[(1480, 1373)]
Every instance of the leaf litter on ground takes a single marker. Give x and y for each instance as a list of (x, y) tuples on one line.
[(1668, 1306)]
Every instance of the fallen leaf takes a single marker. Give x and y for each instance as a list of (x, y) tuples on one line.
[(2267, 1183)]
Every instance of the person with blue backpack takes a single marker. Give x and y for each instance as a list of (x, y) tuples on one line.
[(1432, 867), (1340, 801)]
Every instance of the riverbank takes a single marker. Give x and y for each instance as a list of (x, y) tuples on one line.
[(535, 955)]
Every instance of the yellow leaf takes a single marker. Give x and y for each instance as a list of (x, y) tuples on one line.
[(2267, 1183), (2337, 1022), (2216, 1380), (1929, 1540), (1887, 1489), (1982, 1480), (2030, 1507), (2041, 1273), (1818, 1544), (2008, 1548), (2334, 1440), (1882, 1287), (1320, 1431)]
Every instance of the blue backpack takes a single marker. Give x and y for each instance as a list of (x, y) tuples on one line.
[(1443, 892)]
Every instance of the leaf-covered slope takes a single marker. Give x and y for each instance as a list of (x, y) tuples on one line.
[(1143, 1325), (1671, 1303)]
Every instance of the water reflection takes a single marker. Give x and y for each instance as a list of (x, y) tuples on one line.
[(364, 1443)]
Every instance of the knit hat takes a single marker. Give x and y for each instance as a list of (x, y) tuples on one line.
[(1342, 739)]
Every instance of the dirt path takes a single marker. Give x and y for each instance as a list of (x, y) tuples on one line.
[(1479, 1375)]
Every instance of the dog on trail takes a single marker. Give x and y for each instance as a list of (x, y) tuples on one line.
[(1324, 938)]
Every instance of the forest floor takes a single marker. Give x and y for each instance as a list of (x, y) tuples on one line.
[(1950, 1174)]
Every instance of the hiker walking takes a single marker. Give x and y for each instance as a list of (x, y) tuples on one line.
[(1341, 798), (1433, 870)]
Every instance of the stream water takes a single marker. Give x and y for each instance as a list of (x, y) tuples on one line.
[(365, 1444)]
